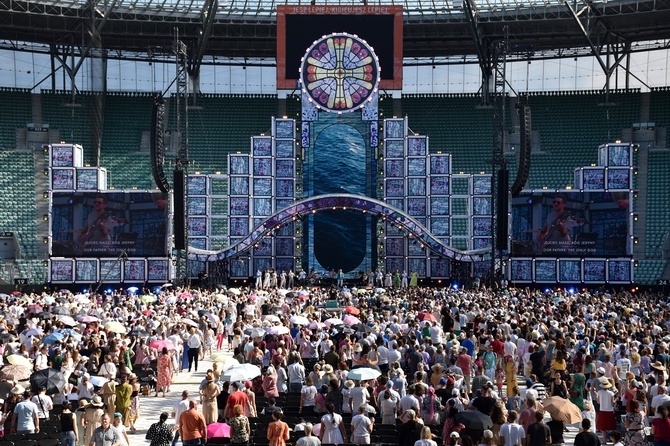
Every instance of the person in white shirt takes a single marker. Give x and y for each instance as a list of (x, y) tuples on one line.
[(44, 404), (42, 359), (296, 376), (359, 396), (179, 408), (512, 433), (361, 427)]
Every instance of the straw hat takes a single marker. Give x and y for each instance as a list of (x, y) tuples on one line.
[(349, 384), (96, 401), (358, 348), (328, 368), (18, 390), (658, 366), (605, 385)]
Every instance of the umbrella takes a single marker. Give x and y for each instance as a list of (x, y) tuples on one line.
[(303, 293), (98, 381), (80, 298), (115, 327), (279, 330), (242, 372), (147, 312), (67, 320), (473, 419), (88, 319), (148, 298), (362, 327), (228, 363), (34, 308), (562, 409), (189, 322), (351, 320), (19, 360), (138, 332), (44, 315), (15, 372), (53, 338), (7, 337), (235, 291), (363, 373), (333, 321), (61, 311), (32, 332), (185, 296), (220, 297), (213, 318), (299, 320), (352, 310), (255, 332), (314, 325), (52, 379), (219, 357), (166, 285), (361, 291), (218, 430), (427, 317), (160, 343), (271, 318), (380, 290)]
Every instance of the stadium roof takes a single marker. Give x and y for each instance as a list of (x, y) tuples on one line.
[(247, 28)]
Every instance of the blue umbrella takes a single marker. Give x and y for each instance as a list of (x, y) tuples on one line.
[(53, 338), (67, 331)]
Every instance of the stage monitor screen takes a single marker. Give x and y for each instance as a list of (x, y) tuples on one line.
[(109, 224), (571, 224), (299, 26)]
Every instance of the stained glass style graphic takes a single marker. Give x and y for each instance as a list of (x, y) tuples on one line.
[(340, 72)]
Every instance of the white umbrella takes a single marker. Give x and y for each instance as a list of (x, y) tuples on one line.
[(242, 372), (271, 318), (98, 381), (363, 374), (256, 332), (189, 322), (333, 321), (279, 330), (228, 363), (300, 320), (67, 320), (235, 291)]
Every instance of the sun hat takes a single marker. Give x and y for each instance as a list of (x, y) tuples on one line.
[(454, 435), (18, 389), (96, 401)]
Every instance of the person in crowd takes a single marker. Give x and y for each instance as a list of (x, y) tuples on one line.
[(160, 433), (240, 429)]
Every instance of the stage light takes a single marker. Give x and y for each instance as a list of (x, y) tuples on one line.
[(45, 240), (547, 290), (571, 291), (46, 217), (85, 290), (455, 286), (109, 291)]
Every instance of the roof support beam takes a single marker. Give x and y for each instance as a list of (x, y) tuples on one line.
[(482, 47), (209, 10)]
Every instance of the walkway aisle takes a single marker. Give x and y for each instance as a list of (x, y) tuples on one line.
[(151, 407)]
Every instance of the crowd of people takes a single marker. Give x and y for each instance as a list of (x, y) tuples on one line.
[(433, 359)]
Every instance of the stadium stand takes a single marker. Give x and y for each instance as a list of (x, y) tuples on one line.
[(14, 113), (17, 202)]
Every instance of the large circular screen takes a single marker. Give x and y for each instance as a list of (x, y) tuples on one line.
[(340, 72)]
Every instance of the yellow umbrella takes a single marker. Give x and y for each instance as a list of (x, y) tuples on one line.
[(220, 297), (228, 363), (219, 357), (115, 327), (19, 360)]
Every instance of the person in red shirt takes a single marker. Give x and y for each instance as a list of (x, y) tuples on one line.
[(236, 397)]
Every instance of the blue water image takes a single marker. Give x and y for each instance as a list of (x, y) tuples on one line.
[(339, 167)]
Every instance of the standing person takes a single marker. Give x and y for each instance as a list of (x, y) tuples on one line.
[(194, 344), (512, 433), (134, 409), (278, 431), (538, 433), (361, 426), (605, 419), (164, 366), (556, 428), (660, 427), (307, 395), (410, 430), (296, 376), (209, 392), (121, 429), (44, 404), (160, 433), (427, 437), (25, 419), (123, 398), (269, 385), (332, 428), (92, 417), (109, 397), (634, 423), (192, 427), (308, 439), (68, 426), (586, 437), (240, 430), (555, 235), (95, 237), (105, 434), (179, 408)]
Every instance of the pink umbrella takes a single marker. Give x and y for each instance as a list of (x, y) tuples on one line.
[(218, 430), (160, 343), (185, 296), (351, 320), (315, 325), (87, 319)]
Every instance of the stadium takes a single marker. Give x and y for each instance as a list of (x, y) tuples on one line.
[(520, 141)]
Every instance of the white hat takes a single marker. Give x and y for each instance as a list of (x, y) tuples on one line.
[(454, 435), (18, 389), (601, 370)]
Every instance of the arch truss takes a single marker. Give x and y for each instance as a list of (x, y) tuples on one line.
[(331, 202)]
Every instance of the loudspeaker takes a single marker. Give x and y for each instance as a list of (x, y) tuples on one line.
[(525, 140), (502, 221), (178, 218), (156, 144)]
